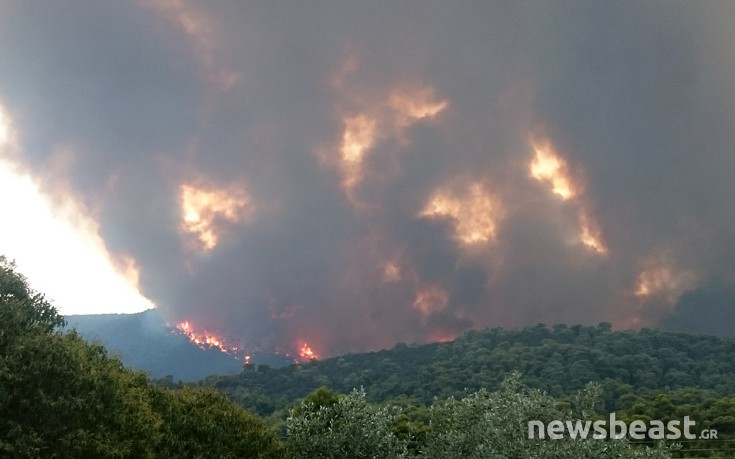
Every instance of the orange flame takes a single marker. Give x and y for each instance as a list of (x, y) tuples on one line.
[(306, 354), (205, 340)]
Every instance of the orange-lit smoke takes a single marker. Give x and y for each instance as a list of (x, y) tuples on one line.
[(473, 210), (203, 209), (549, 167), (391, 272), (372, 119), (430, 299), (660, 277), (200, 33), (357, 139), (416, 103), (590, 234)]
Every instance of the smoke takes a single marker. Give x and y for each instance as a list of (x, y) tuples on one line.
[(358, 175)]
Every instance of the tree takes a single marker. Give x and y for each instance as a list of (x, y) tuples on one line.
[(60, 396), (351, 428), (63, 397), (202, 423), (492, 425)]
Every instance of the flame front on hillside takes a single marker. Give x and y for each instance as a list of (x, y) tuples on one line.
[(306, 353), (207, 340)]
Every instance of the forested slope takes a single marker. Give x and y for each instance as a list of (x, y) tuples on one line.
[(559, 360)]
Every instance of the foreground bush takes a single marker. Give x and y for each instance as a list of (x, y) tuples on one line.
[(63, 397), (487, 425)]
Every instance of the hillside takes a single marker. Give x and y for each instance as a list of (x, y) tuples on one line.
[(144, 342), (559, 360)]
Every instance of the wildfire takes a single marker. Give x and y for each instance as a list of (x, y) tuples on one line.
[(368, 118), (357, 139), (416, 103), (475, 213), (549, 167), (202, 210), (205, 340), (391, 272), (306, 354), (590, 235), (430, 299), (660, 278)]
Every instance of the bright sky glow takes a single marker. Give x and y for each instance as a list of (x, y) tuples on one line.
[(72, 268)]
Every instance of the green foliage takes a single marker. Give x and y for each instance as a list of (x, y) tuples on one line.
[(202, 423), (482, 425), (23, 309), (318, 398), (705, 407), (63, 397), (560, 360), (495, 425), (351, 428)]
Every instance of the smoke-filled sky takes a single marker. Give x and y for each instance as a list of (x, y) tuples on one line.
[(354, 174)]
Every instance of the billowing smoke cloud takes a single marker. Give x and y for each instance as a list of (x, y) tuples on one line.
[(359, 174)]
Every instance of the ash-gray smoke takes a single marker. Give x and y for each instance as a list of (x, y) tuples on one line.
[(128, 101)]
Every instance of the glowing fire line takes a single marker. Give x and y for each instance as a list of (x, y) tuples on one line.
[(207, 341)]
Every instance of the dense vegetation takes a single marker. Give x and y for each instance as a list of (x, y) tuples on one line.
[(61, 396), (482, 425), (647, 374), (560, 360)]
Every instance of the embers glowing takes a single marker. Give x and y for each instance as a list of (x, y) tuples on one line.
[(306, 353), (205, 339), (204, 209), (474, 211)]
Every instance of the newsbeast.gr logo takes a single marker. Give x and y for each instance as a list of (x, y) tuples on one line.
[(616, 429)]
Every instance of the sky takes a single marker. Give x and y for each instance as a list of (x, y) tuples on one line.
[(356, 174)]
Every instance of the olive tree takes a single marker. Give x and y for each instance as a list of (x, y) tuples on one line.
[(350, 428)]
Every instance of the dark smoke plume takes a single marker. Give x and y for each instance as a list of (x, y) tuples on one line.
[(357, 174)]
